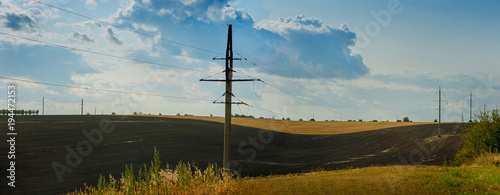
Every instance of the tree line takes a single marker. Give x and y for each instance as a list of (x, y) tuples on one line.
[(19, 112)]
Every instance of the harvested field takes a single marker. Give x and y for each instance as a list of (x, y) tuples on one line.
[(43, 140)]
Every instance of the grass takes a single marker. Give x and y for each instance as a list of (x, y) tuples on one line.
[(482, 177), (386, 180)]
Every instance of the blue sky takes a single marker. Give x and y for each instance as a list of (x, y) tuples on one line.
[(370, 60)]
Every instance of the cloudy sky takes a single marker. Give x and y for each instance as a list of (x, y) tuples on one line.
[(370, 60)]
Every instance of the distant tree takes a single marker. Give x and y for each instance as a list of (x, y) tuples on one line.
[(283, 118), (135, 113), (435, 120), (312, 119), (29, 112), (113, 113), (398, 121), (88, 113), (159, 113), (301, 120), (288, 118), (360, 120), (37, 111), (211, 115), (406, 119), (178, 114), (374, 121)]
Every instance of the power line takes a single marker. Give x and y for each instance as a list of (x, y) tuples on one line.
[(103, 90), (125, 28), (125, 92), (308, 89), (103, 54), (305, 100)]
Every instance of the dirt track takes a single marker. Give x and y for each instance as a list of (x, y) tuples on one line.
[(42, 140)]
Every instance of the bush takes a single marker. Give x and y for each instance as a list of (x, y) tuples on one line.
[(481, 137), (135, 113), (301, 120), (398, 121), (406, 119), (312, 119), (113, 113)]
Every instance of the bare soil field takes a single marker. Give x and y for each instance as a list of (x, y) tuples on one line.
[(43, 140)]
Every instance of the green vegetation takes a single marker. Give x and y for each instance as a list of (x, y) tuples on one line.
[(113, 113), (19, 112), (301, 120), (184, 179), (481, 137), (242, 116), (384, 180), (312, 119), (406, 119)]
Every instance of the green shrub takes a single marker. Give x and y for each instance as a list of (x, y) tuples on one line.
[(483, 136)]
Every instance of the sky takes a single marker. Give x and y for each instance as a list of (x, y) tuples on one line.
[(322, 59)]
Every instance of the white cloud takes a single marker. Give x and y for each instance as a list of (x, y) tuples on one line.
[(282, 26)]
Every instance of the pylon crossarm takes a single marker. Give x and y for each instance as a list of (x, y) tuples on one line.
[(234, 80), (231, 103), (233, 59)]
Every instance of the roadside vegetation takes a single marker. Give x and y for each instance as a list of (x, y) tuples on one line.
[(480, 138)]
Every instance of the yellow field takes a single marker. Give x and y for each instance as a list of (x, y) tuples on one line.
[(304, 127)]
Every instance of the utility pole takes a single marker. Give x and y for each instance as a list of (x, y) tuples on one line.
[(462, 116), (470, 104), (439, 122), (82, 106), (95, 110), (43, 105), (484, 108), (228, 95)]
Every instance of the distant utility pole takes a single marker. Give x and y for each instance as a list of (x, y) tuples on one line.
[(439, 122), (82, 106), (228, 94), (470, 110), (484, 108), (462, 116), (43, 105), (95, 110)]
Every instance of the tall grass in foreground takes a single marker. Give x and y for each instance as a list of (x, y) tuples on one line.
[(183, 179)]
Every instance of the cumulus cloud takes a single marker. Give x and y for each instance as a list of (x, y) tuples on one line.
[(299, 47), (81, 37), (320, 49), (283, 26), (91, 2), (111, 36), (17, 19)]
